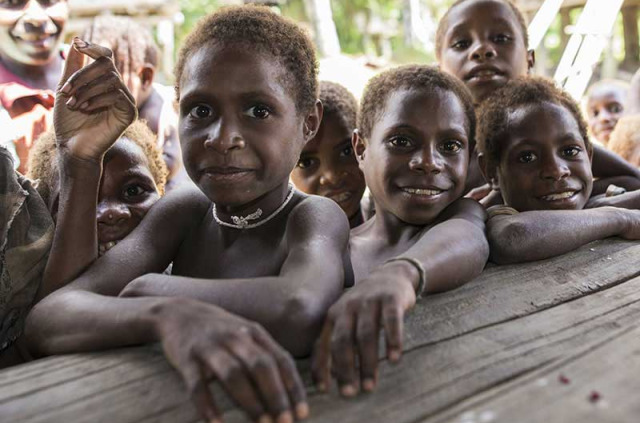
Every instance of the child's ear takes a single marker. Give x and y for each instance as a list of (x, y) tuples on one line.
[(312, 121), (146, 75), (531, 59), (359, 145), (490, 175)]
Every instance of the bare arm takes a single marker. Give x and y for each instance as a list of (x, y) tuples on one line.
[(85, 129), (610, 168), (451, 252), (536, 235), (293, 304)]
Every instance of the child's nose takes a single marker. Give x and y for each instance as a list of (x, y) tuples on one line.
[(34, 14), (483, 50), (426, 161), (554, 168), (113, 213), (224, 137)]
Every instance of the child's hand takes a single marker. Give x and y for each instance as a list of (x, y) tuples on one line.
[(205, 344), (93, 105), (352, 327)]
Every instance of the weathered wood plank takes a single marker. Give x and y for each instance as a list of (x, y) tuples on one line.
[(503, 293), (510, 321), (600, 385)]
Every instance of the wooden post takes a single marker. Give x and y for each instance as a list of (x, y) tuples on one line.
[(565, 21), (631, 47)]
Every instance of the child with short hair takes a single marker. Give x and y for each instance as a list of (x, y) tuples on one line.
[(535, 149), (484, 43), (605, 106), (247, 88), (414, 134), (328, 165), (136, 57)]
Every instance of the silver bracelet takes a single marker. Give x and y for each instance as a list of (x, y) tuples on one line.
[(422, 283)]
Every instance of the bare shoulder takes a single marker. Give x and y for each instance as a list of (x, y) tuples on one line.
[(314, 215)]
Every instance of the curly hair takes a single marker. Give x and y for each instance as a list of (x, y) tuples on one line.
[(422, 77), (132, 44), (625, 139), (339, 102), (258, 29), (443, 24), (43, 159), (495, 112)]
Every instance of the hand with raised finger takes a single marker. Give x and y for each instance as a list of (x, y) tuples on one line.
[(352, 327), (205, 343), (93, 106)]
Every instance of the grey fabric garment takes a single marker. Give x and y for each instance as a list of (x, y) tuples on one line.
[(26, 234)]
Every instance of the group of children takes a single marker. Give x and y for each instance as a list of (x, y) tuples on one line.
[(257, 267)]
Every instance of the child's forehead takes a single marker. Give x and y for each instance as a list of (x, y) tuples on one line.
[(127, 153), (607, 93), (527, 120), (465, 15), (431, 108), (332, 134), (239, 68)]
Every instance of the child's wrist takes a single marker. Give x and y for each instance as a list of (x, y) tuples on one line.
[(71, 165), (409, 269)]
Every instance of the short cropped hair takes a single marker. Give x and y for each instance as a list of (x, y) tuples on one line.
[(625, 139), (443, 24), (421, 77), (43, 159), (259, 29), (337, 101), (132, 44), (495, 111)]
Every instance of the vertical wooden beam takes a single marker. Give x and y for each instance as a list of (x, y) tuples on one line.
[(631, 46), (565, 21)]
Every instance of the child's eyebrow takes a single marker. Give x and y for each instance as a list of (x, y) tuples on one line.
[(498, 24), (341, 145)]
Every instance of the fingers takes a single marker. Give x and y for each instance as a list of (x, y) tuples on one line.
[(343, 354), (73, 63), (287, 371), (264, 373), (235, 381), (199, 392), (117, 98), (321, 360), (368, 327), (392, 320), (107, 83)]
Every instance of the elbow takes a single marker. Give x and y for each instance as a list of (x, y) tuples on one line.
[(299, 323), (508, 245), (39, 340)]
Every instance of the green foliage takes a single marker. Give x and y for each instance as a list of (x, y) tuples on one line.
[(192, 11)]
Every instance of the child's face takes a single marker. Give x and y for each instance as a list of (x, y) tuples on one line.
[(328, 166), (240, 132), (30, 29), (127, 192), (415, 162), (484, 47), (544, 162), (604, 109)]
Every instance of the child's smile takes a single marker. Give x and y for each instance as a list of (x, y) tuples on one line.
[(30, 29), (483, 46), (420, 146), (544, 162), (240, 132)]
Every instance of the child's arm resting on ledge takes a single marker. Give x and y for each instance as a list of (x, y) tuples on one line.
[(540, 234), (292, 305), (451, 253), (200, 340), (610, 168)]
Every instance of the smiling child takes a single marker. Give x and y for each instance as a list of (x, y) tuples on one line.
[(535, 149), (484, 43), (30, 67), (247, 90), (415, 129), (328, 165), (605, 106)]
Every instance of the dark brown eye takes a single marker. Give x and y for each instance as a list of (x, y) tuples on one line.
[(201, 111), (258, 112)]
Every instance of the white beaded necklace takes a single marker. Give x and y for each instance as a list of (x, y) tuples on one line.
[(242, 222)]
